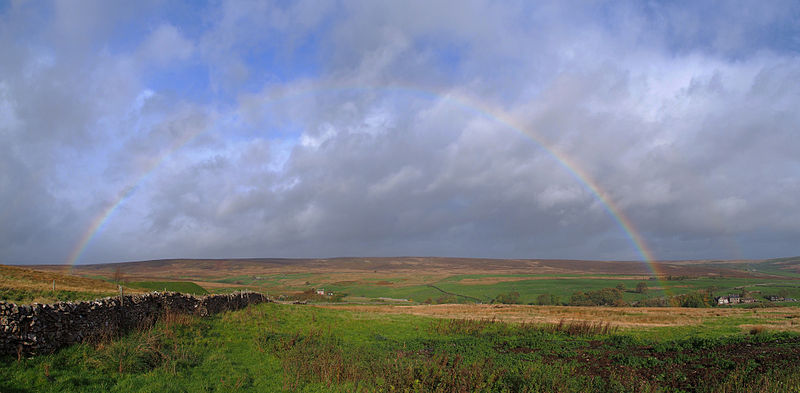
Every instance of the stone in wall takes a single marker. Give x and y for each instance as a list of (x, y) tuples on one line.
[(44, 328)]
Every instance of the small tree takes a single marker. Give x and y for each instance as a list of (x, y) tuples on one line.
[(508, 298), (695, 299), (641, 287), (446, 299), (117, 277), (621, 287), (745, 293), (547, 299), (600, 297)]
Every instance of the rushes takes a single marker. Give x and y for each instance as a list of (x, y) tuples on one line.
[(314, 357), (464, 326), (318, 356), (579, 328), (148, 349), (564, 326), (126, 356)]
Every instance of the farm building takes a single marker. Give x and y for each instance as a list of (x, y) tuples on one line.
[(734, 299), (774, 298), (728, 299)]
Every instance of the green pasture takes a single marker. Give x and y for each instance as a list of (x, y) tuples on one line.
[(273, 348), (529, 289)]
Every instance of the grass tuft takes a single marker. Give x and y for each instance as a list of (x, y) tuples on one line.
[(480, 326)]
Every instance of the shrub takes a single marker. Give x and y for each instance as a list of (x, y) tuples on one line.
[(601, 297), (446, 299), (508, 298), (698, 299), (547, 299), (756, 330)]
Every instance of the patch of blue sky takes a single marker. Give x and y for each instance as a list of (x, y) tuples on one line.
[(266, 65), (731, 29), (447, 56), (187, 80), (191, 18), (286, 131), (233, 129), (270, 64), (784, 37), (128, 33), (37, 13)]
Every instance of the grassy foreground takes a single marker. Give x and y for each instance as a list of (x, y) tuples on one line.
[(272, 347)]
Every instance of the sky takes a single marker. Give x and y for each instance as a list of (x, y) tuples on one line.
[(135, 130)]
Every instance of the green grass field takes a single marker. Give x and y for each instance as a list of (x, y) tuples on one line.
[(529, 286), (271, 347)]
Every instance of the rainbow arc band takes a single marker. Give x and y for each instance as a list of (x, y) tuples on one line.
[(464, 101)]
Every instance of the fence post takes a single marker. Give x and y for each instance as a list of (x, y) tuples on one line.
[(54, 285), (121, 299)]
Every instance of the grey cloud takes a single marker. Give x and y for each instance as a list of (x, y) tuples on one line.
[(396, 142), (360, 192)]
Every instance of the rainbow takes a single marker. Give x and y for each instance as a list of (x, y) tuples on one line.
[(494, 114), (501, 117), (98, 222)]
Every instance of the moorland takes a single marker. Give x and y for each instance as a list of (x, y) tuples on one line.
[(415, 280), (433, 325)]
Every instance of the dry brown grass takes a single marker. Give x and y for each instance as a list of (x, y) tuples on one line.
[(410, 266), (21, 278), (784, 318)]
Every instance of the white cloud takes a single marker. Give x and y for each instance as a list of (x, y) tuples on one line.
[(164, 45), (331, 130), (326, 133)]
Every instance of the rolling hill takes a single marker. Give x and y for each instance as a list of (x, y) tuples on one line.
[(18, 284)]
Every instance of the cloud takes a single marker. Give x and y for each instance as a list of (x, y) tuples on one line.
[(164, 45), (382, 128)]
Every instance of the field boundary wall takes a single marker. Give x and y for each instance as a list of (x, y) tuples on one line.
[(44, 328)]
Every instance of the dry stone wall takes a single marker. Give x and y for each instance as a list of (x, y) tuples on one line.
[(44, 328)]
